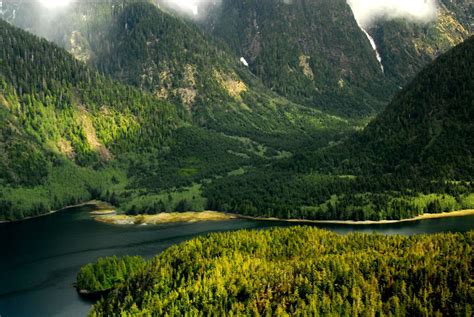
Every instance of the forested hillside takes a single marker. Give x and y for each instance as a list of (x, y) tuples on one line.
[(63, 124), (313, 52), (415, 157), (173, 59), (138, 43), (301, 271), (428, 127), (154, 115), (70, 134)]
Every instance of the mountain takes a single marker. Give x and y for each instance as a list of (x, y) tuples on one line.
[(406, 47), (159, 115), (140, 44), (313, 52), (415, 157), (142, 145), (70, 134), (316, 54), (429, 125), (62, 122), (174, 60)]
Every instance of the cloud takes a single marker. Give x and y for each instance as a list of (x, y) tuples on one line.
[(52, 4), (193, 8), (367, 12)]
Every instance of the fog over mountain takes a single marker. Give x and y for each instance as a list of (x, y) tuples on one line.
[(365, 11), (369, 11), (194, 8)]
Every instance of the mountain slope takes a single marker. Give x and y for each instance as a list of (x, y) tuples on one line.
[(313, 52), (413, 158), (69, 134), (429, 125), (174, 60), (63, 122), (406, 47)]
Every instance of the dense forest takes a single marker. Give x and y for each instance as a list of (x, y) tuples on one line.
[(301, 271), (313, 52), (107, 273), (71, 134), (406, 46), (153, 115), (65, 123), (415, 157)]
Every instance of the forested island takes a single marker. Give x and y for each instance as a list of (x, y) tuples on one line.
[(297, 271)]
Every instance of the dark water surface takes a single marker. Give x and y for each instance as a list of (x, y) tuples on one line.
[(39, 258)]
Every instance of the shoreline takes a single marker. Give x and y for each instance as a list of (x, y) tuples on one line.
[(427, 216), (93, 202), (164, 218), (175, 217), (106, 213)]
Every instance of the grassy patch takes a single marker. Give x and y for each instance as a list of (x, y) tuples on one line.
[(161, 218), (182, 199)]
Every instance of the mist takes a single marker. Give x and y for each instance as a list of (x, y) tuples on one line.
[(196, 9), (368, 12)]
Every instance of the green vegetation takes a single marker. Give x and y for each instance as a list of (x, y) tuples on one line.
[(406, 47), (302, 271), (311, 52), (64, 121), (64, 126), (177, 199), (420, 145), (289, 194), (192, 125), (178, 62), (107, 273)]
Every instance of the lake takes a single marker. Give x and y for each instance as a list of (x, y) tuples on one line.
[(40, 257)]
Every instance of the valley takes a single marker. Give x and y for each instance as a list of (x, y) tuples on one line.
[(161, 123)]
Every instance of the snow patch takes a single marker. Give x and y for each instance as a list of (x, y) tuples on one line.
[(244, 62)]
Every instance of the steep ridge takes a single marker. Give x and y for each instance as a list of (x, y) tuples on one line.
[(321, 48), (406, 47), (313, 52), (139, 43), (62, 120), (174, 60), (429, 125), (69, 134)]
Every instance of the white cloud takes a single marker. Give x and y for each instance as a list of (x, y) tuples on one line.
[(370, 11), (193, 8), (52, 4), (186, 6)]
